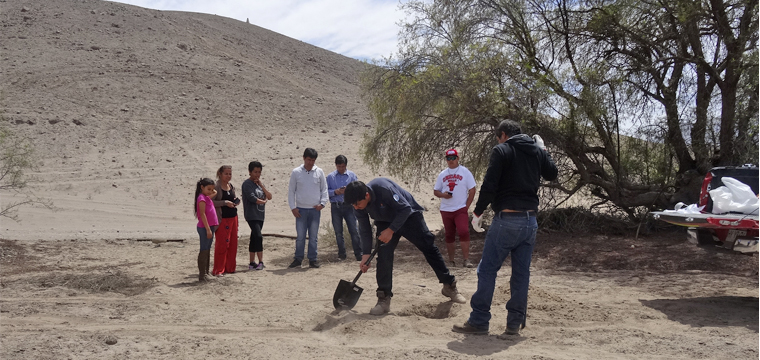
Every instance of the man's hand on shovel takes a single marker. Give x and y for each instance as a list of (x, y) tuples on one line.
[(364, 266), (385, 236)]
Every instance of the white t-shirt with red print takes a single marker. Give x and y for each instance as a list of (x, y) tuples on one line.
[(458, 182)]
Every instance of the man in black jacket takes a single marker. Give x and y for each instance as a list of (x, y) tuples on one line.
[(396, 214), (510, 186)]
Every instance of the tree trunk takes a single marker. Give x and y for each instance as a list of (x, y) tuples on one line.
[(699, 129), (728, 116), (675, 136)]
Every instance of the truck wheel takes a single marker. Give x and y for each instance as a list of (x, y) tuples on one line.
[(705, 237), (701, 237)]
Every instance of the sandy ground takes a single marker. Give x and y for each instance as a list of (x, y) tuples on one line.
[(128, 107), (50, 307)]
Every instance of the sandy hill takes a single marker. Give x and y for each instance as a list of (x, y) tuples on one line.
[(129, 107)]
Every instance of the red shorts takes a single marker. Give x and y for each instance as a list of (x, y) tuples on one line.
[(456, 222)]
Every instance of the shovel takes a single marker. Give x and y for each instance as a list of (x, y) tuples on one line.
[(347, 294)]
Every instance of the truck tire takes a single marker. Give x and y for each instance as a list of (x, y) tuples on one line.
[(705, 237), (701, 237)]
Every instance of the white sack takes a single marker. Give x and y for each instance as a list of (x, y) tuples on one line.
[(735, 196), (681, 208)]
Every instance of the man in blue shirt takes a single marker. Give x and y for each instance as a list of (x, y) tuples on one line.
[(396, 214), (336, 186)]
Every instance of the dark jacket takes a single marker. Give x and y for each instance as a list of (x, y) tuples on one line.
[(514, 174), (388, 203)]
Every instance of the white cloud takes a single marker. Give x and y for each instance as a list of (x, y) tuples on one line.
[(361, 29)]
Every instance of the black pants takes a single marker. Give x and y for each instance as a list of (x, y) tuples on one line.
[(257, 240), (416, 231)]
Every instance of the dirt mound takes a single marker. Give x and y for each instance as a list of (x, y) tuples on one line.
[(442, 310)]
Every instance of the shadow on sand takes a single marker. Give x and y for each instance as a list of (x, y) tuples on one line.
[(482, 345), (286, 271), (709, 311), (190, 281), (342, 317)]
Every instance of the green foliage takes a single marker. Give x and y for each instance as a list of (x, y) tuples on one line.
[(446, 91), (607, 84)]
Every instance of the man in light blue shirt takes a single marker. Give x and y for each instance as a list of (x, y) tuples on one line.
[(336, 186), (307, 196)]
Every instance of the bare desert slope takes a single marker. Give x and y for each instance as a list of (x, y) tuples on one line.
[(128, 107)]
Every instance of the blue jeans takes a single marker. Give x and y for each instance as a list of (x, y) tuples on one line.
[(308, 222), (206, 242), (515, 235), (340, 211)]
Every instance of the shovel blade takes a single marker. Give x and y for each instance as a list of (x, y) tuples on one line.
[(346, 295)]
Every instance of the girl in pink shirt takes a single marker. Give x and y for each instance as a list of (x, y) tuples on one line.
[(207, 223)]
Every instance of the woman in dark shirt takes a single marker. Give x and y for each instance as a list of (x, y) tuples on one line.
[(225, 202), (255, 197)]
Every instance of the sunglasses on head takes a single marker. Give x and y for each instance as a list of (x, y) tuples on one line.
[(451, 158)]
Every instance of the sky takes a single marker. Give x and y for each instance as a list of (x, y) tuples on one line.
[(361, 29)]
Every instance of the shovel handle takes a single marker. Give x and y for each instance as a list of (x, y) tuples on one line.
[(371, 256)]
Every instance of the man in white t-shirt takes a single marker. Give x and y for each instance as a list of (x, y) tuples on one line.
[(456, 188)]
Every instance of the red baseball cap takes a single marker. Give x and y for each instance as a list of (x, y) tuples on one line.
[(452, 152)]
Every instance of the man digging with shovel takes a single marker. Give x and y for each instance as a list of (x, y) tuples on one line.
[(396, 214)]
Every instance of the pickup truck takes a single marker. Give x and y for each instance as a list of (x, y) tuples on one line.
[(736, 232)]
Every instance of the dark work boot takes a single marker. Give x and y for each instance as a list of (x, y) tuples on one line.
[(295, 263), (511, 332), (469, 329), (451, 291), (383, 305)]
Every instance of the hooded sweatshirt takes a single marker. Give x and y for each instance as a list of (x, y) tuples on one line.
[(514, 174)]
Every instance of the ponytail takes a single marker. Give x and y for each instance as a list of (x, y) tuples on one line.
[(201, 183), (221, 170)]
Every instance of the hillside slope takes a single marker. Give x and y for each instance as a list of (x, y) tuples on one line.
[(128, 107)]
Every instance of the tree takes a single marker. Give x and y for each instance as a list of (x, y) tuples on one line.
[(608, 85), (16, 156), (671, 49)]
